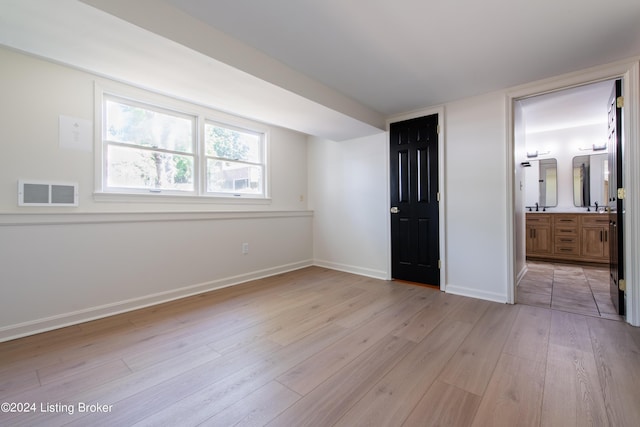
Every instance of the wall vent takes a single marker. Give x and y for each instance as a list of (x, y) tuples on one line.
[(46, 193)]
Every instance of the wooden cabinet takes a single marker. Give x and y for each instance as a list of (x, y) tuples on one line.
[(565, 234), (539, 235), (595, 236), (572, 237)]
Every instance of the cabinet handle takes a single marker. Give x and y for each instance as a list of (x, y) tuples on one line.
[(601, 235), (606, 235)]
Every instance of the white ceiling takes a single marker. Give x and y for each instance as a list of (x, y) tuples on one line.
[(401, 55), (570, 108), (331, 68)]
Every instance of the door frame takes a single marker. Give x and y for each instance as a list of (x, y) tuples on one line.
[(629, 72), (439, 110)]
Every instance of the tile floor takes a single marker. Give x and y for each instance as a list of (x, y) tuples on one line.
[(565, 287)]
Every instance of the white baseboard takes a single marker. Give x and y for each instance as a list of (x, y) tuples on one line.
[(361, 271), (521, 274), (474, 293), (67, 319)]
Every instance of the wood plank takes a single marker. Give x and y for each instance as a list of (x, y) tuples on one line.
[(529, 335), (274, 322), (617, 357), (420, 325), (18, 382), (469, 310), (514, 394), (572, 393), (313, 371), (473, 364), (204, 392), (117, 390), (61, 391), (327, 403), (257, 409), (444, 405), (365, 314), (392, 398), (570, 330), (296, 330)]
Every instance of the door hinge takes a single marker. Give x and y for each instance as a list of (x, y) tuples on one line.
[(439, 264), (622, 285), (622, 193), (438, 196), (438, 129), (620, 102)]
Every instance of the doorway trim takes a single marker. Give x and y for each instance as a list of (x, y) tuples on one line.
[(439, 110), (629, 72)]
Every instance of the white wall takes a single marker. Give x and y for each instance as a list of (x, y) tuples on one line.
[(519, 154), (563, 145), (64, 265), (37, 92), (348, 194), (475, 197)]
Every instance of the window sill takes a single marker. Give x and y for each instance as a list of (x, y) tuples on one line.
[(174, 198)]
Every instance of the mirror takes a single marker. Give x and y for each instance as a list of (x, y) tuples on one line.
[(590, 180), (541, 180)]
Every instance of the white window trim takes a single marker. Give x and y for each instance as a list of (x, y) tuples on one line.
[(202, 115)]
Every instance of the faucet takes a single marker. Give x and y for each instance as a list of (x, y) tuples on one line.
[(536, 206)]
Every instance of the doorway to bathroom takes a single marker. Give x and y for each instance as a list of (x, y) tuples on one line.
[(565, 184)]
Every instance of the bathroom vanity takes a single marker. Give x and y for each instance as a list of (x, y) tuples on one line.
[(576, 237)]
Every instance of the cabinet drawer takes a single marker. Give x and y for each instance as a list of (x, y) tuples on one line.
[(564, 220), (565, 230), (595, 220), (567, 249), (566, 240), (538, 219)]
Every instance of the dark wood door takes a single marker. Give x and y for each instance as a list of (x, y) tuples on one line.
[(414, 200), (616, 258)]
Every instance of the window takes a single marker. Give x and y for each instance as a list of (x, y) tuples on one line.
[(234, 160), (151, 149), (147, 148)]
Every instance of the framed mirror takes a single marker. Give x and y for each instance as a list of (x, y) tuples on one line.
[(541, 181), (590, 180)]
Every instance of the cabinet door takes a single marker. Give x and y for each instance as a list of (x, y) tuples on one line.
[(594, 240), (541, 242), (529, 238)]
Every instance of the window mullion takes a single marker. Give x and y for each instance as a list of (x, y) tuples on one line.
[(201, 164), (148, 148)]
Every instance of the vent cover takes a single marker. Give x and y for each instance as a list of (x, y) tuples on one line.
[(43, 193)]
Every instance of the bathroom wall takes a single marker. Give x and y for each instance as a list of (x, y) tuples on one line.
[(564, 145)]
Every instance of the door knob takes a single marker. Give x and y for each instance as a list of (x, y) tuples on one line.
[(395, 209)]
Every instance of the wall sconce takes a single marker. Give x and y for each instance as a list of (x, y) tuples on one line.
[(594, 147), (534, 154)]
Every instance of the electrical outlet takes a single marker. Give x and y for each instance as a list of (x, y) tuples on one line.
[(245, 248)]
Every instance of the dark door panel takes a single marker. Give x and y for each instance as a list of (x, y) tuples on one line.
[(616, 258), (414, 202)]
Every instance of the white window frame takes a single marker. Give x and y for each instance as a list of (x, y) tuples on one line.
[(201, 115), (205, 157)]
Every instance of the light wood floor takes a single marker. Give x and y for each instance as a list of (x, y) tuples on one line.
[(320, 348)]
